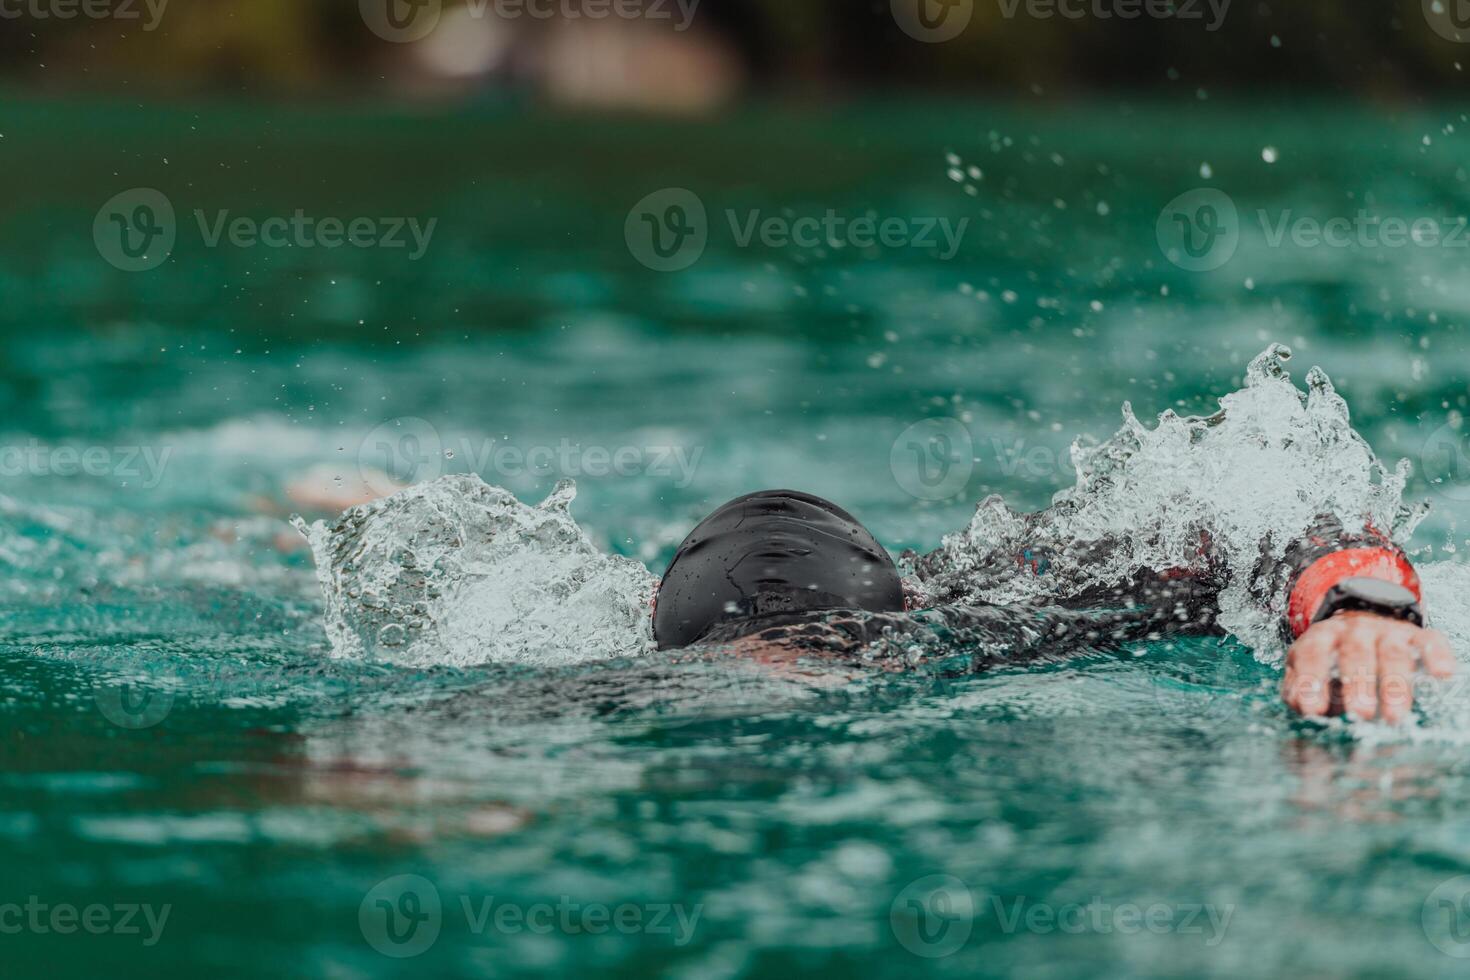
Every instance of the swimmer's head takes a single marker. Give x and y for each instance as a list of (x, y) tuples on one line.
[(769, 553)]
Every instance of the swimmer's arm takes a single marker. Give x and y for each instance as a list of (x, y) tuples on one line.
[(1187, 596), (949, 639), (1171, 600), (969, 639), (1061, 574), (1375, 658), (1358, 663)]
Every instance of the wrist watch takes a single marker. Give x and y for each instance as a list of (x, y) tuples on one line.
[(1372, 595)]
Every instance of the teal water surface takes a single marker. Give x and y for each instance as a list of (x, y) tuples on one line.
[(180, 740)]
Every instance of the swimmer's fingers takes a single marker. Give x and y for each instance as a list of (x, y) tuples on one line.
[(1357, 665), (1396, 663), (1376, 660), (1309, 670), (1402, 649), (1434, 652)]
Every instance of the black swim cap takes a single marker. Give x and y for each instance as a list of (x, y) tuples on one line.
[(778, 551)]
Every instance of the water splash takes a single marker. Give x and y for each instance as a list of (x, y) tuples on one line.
[(1254, 477), (458, 572)]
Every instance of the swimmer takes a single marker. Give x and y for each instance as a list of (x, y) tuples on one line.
[(780, 573)]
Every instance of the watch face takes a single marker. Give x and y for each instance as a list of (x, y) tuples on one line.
[(1377, 592)]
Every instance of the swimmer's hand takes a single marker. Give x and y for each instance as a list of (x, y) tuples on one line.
[(1376, 658)]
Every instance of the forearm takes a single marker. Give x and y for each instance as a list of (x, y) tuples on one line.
[(1034, 568), (1296, 586), (962, 638), (1031, 564)]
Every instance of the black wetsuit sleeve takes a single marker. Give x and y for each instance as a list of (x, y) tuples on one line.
[(957, 639), (1185, 598), (1175, 599), (1295, 586)]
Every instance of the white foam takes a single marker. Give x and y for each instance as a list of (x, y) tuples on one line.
[(458, 572), (1255, 477)]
